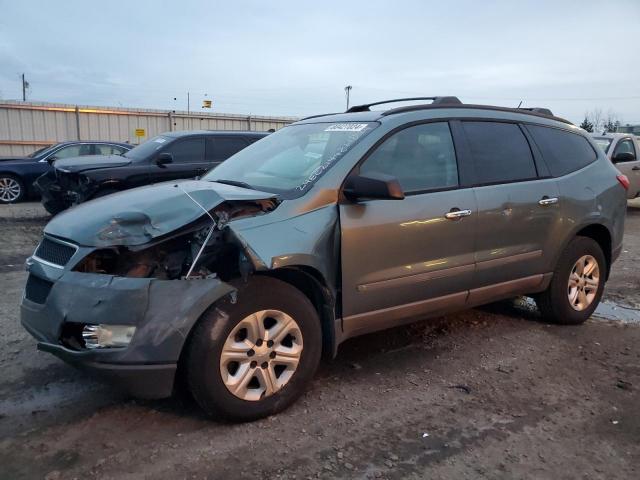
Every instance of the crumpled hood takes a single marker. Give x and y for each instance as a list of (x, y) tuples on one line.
[(90, 162), (135, 217)]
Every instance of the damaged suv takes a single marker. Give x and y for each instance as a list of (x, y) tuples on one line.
[(332, 227)]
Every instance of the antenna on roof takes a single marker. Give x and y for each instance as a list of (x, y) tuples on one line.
[(520, 104)]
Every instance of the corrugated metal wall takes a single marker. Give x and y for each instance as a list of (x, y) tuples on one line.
[(27, 126)]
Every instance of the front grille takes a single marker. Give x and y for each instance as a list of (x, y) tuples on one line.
[(54, 252), (37, 289)]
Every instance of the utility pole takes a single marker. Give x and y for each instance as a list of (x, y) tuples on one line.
[(347, 90), (25, 85), (188, 100)]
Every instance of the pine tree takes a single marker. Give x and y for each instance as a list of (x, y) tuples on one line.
[(587, 125)]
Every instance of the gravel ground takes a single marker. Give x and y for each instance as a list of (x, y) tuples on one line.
[(486, 393)]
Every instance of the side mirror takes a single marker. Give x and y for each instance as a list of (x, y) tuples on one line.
[(163, 159), (373, 186), (623, 157), (51, 159)]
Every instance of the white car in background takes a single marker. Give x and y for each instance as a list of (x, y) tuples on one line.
[(623, 149)]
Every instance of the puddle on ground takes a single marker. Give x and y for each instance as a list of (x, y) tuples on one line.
[(607, 310)]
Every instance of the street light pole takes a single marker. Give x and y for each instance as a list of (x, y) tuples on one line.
[(347, 90)]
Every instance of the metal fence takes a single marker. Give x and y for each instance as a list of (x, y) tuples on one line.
[(28, 126)]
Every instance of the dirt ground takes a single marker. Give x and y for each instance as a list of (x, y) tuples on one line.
[(487, 393)]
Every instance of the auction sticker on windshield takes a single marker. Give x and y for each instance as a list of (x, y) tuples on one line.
[(346, 127)]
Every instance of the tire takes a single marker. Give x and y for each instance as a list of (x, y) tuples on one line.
[(213, 334), (12, 189), (554, 303), (53, 207)]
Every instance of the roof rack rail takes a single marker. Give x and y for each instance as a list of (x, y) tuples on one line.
[(542, 110), (434, 101)]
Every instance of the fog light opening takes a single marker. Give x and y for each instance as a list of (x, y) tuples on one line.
[(107, 336)]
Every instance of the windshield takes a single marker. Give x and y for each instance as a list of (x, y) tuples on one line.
[(147, 148), (40, 151), (292, 159), (603, 143)]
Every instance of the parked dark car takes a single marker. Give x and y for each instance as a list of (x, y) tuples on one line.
[(332, 227), (169, 156), (17, 174)]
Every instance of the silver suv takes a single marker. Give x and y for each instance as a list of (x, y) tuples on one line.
[(332, 227)]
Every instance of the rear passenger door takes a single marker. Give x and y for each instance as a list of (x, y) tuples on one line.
[(517, 207), (219, 148)]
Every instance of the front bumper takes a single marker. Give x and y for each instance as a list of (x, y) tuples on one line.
[(163, 312)]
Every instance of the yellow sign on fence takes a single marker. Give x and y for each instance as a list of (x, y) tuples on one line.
[(140, 132), (206, 104)]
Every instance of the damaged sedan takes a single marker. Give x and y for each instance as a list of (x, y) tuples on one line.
[(236, 284)]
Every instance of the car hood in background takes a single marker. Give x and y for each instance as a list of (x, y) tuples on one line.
[(17, 160), (90, 162), (135, 217)]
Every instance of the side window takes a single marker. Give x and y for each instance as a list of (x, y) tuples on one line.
[(221, 148), (625, 146), (187, 151), (564, 152), (420, 157), (500, 152), (73, 151), (105, 149)]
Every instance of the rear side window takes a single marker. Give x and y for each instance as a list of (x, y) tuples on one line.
[(221, 148), (500, 151), (564, 152)]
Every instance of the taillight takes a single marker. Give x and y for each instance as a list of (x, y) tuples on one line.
[(624, 181)]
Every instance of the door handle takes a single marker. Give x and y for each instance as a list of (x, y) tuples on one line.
[(456, 213), (544, 201), (636, 168)]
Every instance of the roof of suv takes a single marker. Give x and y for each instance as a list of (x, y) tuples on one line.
[(233, 133), (363, 113)]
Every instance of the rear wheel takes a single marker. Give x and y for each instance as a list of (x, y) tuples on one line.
[(253, 358), (11, 188), (577, 284)]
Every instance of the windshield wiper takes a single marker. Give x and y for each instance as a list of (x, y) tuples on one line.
[(235, 183)]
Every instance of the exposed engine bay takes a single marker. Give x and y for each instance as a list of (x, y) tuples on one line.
[(203, 249)]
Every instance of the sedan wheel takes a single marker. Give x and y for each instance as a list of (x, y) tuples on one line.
[(10, 189)]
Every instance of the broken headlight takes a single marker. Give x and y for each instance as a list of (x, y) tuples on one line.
[(107, 336)]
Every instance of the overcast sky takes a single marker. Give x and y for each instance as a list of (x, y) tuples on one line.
[(295, 57)]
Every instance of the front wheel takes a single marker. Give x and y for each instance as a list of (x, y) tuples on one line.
[(577, 284), (253, 358)]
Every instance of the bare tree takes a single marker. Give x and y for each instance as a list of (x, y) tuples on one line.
[(612, 122), (596, 119)]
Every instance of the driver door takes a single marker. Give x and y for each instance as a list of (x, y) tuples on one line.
[(630, 168), (188, 160), (403, 259)]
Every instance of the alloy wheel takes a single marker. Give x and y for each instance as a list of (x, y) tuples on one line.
[(583, 282), (10, 189), (261, 354)]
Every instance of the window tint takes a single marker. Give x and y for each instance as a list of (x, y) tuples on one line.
[(109, 150), (221, 148), (73, 151), (420, 157), (625, 146), (187, 151), (500, 152), (564, 152)]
